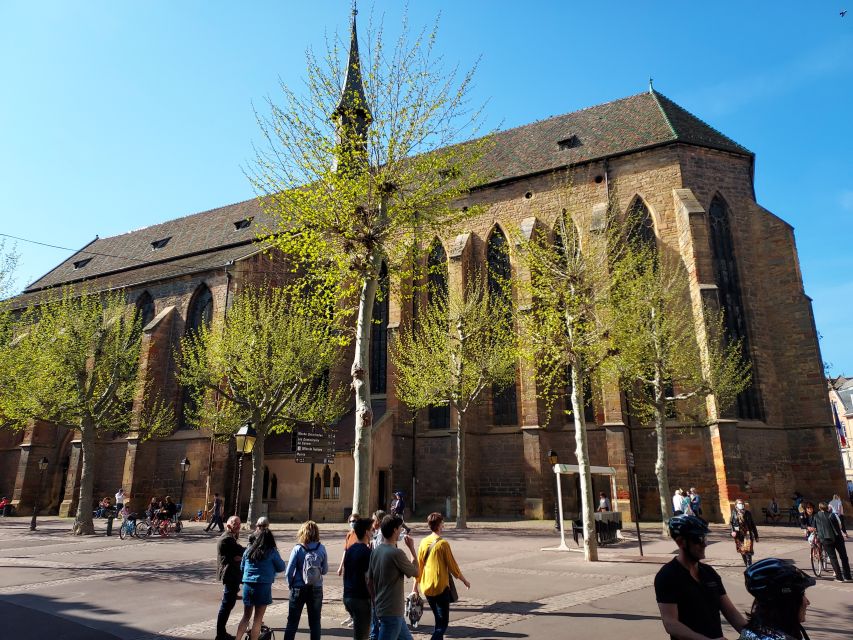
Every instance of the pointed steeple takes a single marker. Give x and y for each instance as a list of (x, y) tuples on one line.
[(352, 115)]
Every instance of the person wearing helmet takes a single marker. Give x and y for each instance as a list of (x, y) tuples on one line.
[(779, 609), (690, 594)]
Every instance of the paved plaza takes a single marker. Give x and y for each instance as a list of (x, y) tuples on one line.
[(54, 585)]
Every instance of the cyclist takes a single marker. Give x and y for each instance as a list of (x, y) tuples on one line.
[(690, 594), (828, 530), (779, 609), (807, 521)]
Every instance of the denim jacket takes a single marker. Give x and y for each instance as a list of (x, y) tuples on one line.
[(264, 570)]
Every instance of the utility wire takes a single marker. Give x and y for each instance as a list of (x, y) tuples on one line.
[(96, 253)]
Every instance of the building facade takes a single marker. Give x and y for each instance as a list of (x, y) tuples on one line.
[(841, 400), (643, 153)]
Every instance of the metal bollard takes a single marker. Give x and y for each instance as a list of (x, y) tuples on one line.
[(110, 519)]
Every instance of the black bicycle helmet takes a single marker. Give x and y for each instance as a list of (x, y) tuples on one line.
[(771, 578), (687, 526)]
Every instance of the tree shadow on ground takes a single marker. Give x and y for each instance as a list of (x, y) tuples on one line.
[(32, 616)]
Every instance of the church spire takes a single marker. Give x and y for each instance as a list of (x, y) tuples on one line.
[(352, 115)]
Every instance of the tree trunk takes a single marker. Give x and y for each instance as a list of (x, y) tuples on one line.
[(590, 542), (83, 523), (363, 449), (661, 463), (461, 500), (256, 494)]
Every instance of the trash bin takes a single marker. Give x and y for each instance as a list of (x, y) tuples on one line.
[(110, 517)]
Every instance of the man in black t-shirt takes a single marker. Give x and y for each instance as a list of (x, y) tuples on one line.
[(690, 594), (356, 564)]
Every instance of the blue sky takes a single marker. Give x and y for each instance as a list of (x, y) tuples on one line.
[(117, 115)]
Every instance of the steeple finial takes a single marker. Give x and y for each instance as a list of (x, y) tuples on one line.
[(651, 85), (352, 115)]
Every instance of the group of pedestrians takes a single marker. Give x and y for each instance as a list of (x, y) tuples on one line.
[(374, 569), (823, 527), (691, 596), (687, 503)]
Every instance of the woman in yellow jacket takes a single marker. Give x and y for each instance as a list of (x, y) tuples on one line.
[(437, 565)]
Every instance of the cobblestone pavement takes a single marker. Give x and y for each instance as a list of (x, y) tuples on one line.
[(96, 588)]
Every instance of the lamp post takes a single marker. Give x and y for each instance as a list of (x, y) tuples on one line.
[(185, 466), (552, 460), (42, 466), (245, 441)]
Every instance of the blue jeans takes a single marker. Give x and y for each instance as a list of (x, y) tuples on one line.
[(361, 613), (229, 598), (312, 597), (440, 606), (393, 628)]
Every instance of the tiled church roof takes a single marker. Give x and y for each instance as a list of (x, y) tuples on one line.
[(615, 128)]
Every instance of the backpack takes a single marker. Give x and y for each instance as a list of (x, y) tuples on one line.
[(414, 609), (312, 566), (265, 634)]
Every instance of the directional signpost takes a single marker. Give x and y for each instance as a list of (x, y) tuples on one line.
[(314, 446)]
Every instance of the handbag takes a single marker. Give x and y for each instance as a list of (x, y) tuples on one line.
[(454, 594)]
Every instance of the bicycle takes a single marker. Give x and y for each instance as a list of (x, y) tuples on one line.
[(127, 529), (819, 558)]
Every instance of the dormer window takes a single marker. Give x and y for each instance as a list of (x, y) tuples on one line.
[(569, 143), (159, 244), (79, 264), (245, 223)]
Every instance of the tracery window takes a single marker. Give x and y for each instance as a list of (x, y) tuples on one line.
[(336, 486), (749, 405), (437, 276), (379, 336), (199, 314), (504, 401), (327, 483), (145, 309)]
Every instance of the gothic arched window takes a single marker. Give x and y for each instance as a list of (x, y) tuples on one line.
[(266, 491), (437, 276), (379, 336), (273, 487), (749, 405), (642, 229), (145, 309), (327, 483), (336, 486), (199, 314), (318, 486), (504, 401)]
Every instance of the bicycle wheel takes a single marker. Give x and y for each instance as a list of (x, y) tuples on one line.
[(824, 560), (142, 529), (178, 526), (817, 565), (122, 531)]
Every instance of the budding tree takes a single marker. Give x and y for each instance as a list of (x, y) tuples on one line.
[(355, 163)]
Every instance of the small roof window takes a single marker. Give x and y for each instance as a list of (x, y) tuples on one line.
[(79, 264), (159, 244), (245, 223), (569, 143)]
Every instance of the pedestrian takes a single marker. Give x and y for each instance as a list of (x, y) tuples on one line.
[(837, 508), (229, 553), (388, 569), (780, 604), (603, 502), (120, 498), (349, 540), (260, 562), (378, 516), (677, 503), (689, 593), (695, 502), (828, 530), (398, 505), (773, 514), (438, 567), (356, 563), (216, 514), (306, 567), (743, 531)]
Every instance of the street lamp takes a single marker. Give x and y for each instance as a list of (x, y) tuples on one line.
[(245, 441), (185, 466), (42, 466), (552, 460)]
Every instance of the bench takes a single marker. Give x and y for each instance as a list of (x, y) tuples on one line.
[(793, 515), (606, 529)]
